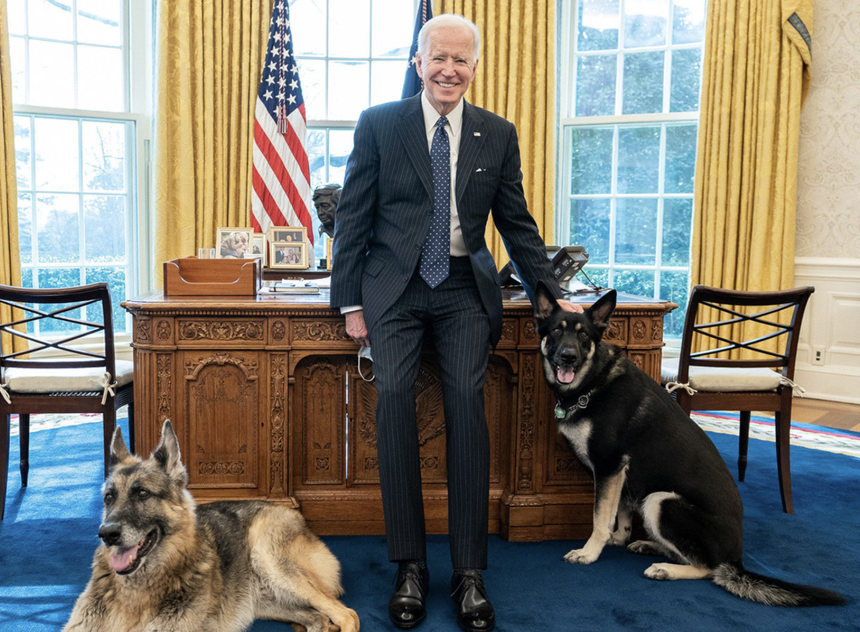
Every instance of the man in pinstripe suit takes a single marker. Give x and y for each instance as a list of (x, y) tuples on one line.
[(411, 260)]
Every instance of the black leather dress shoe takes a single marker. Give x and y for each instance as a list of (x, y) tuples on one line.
[(406, 606), (475, 613)]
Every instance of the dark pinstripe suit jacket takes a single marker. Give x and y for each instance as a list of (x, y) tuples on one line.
[(384, 210)]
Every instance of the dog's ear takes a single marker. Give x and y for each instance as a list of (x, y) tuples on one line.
[(602, 310), (545, 304), (118, 450), (167, 455)]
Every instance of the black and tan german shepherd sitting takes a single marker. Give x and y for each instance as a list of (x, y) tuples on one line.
[(648, 456)]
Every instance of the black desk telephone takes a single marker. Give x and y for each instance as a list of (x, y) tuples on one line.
[(566, 262)]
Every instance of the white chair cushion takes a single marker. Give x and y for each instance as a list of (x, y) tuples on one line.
[(717, 379), (61, 380)]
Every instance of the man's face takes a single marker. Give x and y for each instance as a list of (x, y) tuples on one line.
[(325, 209), (448, 66)]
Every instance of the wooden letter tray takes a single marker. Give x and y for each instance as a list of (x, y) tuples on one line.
[(190, 276)]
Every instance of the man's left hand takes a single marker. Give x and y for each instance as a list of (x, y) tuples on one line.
[(570, 307)]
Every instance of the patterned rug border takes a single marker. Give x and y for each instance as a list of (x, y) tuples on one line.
[(762, 428)]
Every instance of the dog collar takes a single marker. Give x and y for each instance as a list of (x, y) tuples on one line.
[(581, 403)]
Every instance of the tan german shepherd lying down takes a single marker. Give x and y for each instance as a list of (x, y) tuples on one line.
[(165, 565)]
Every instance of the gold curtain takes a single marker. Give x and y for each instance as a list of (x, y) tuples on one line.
[(210, 56), (756, 74), (516, 80), (10, 259)]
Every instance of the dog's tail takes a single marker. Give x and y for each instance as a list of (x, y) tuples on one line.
[(772, 592)]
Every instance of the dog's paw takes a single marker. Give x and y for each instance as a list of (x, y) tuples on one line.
[(620, 537), (644, 547), (658, 572), (579, 556)]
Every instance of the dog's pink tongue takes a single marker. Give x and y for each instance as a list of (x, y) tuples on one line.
[(123, 558), (565, 375)]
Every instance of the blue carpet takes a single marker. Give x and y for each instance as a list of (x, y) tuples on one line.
[(49, 534)]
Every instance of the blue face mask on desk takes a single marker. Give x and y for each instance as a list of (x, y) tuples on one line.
[(364, 352)]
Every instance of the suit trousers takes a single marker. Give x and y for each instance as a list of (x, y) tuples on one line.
[(453, 318)]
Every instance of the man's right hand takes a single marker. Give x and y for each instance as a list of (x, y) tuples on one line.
[(356, 329)]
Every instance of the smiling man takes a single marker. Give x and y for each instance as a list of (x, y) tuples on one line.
[(411, 262)]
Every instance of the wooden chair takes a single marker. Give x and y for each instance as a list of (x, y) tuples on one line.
[(762, 380), (86, 381)]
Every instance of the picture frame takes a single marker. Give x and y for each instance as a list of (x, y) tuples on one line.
[(294, 234), (233, 242), (328, 243), (258, 248), (288, 255)]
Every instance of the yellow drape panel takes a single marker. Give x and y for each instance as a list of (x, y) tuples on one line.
[(756, 72), (10, 260), (210, 56), (516, 80)]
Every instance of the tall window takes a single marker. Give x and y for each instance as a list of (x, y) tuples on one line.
[(76, 138), (351, 54), (630, 103)]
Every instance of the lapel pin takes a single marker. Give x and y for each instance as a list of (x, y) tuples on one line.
[(477, 133)]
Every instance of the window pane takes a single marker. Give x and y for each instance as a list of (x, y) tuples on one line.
[(349, 29), (589, 227), (639, 282), (100, 79), (688, 24), (19, 75), (99, 21), (638, 159), (17, 17), (115, 278), (57, 226), (645, 23), (677, 226), (636, 231), (312, 75), (643, 83), (50, 19), (308, 27), (680, 158), (52, 74), (23, 163), (686, 78), (104, 228), (674, 286), (393, 22), (340, 146), (598, 276), (347, 87), (104, 153), (25, 227), (595, 85), (598, 23), (591, 160), (316, 157), (386, 81), (56, 154)]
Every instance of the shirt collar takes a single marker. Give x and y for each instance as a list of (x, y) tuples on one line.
[(455, 116)]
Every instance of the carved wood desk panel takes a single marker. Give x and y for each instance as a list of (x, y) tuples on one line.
[(267, 402)]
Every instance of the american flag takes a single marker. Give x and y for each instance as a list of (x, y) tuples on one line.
[(281, 179), (412, 83)]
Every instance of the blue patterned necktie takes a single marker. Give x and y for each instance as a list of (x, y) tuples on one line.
[(437, 246)]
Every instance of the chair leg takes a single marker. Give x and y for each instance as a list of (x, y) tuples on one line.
[(783, 456), (109, 416), (743, 443), (24, 443), (131, 427), (4, 460)]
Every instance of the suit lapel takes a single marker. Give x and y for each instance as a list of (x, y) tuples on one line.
[(471, 140), (414, 137)]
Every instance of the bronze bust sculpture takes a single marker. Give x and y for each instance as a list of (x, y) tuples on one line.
[(325, 199)]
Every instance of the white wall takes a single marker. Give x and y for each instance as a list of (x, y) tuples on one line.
[(828, 207)]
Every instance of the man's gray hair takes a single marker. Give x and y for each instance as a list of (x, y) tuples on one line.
[(447, 20)]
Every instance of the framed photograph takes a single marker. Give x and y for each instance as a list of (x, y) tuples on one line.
[(285, 234), (328, 242), (233, 243), (258, 247), (288, 255)]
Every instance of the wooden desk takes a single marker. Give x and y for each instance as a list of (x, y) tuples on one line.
[(267, 402)]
